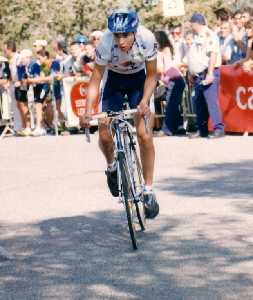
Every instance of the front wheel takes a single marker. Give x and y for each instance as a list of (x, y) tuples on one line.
[(128, 200), (137, 185)]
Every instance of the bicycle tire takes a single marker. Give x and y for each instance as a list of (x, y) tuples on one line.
[(139, 205), (126, 188)]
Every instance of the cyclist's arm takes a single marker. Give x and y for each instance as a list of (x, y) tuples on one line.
[(94, 87), (150, 81)]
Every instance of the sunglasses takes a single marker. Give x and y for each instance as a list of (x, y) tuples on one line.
[(176, 32)]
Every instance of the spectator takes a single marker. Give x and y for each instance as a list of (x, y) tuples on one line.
[(95, 37), (44, 109), (189, 37), (222, 15), (60, 49), (90, 52), (203, 62), (247, 62), (249, 32), (171, 77), (88, 60), (87, 54), (246, 15), (237, 20), (5, 77), (32, 73), (239, 42), (82, 41), (40, 46), (189, 40), (176, 36), (78, 63), (21, 89), (226, 42), (73, 64), (10, 51), (5, 73)]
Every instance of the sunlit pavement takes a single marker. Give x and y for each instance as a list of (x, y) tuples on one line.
[(64, 237)]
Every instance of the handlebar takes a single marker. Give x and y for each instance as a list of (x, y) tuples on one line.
[(121, 114), (112, 114)]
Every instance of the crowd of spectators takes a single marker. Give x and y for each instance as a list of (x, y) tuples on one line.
[(189, 56), (35, 76)]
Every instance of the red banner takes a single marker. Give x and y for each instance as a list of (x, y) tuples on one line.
[(236, 99), (78, 96)]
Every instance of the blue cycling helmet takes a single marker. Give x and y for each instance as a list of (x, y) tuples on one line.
[(123, 21)]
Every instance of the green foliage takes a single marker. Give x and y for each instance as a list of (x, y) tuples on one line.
[(27, 20)]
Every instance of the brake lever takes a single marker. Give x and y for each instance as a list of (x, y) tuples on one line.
[(87, 134)]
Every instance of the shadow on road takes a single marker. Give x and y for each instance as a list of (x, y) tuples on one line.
[(90, 257), (223, 180)]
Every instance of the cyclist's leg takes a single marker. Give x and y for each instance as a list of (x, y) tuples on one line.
[(147, 150), (145, 139), (105, 141), (147, 153), (112, 100)]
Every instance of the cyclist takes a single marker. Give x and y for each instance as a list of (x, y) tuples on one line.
[(127, 51)]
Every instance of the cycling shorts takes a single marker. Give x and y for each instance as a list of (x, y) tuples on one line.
[(119, 86)]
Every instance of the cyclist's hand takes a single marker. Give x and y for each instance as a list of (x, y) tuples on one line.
[(85, 120), (143, 109)]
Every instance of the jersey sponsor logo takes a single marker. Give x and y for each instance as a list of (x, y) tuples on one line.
[(128, 64), (144, 47)]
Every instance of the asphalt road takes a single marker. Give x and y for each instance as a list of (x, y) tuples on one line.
[(66, 238)]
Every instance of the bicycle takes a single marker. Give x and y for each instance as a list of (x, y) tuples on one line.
[(130, 176)]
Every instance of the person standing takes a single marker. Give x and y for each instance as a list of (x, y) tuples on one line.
[(204, 60), (171, 77), (11, 53)]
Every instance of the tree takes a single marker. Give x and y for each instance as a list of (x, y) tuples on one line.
[(27, 20)]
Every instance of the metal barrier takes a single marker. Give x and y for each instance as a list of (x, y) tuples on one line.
[(186, 107), (188, 112)]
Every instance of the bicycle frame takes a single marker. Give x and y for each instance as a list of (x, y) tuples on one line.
[(121, 131), (129, 172)]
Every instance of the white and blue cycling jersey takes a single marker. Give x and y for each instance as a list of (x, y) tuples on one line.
[(109, 54), (126, 70)]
